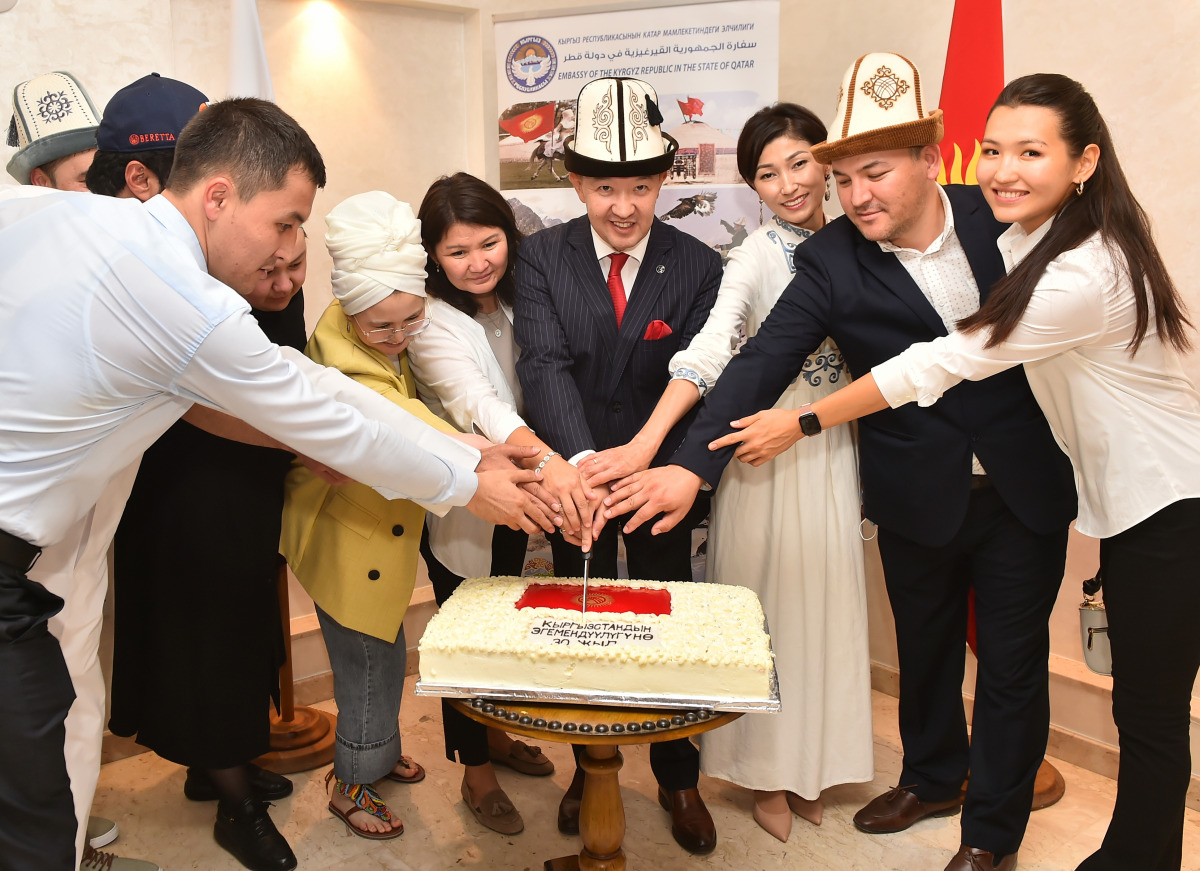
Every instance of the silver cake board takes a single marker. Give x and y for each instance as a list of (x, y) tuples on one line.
[(769, 705)]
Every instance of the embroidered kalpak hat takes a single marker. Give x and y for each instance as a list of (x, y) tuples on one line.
[(881, 107), (617, 131), (52, 117), (148, 115)]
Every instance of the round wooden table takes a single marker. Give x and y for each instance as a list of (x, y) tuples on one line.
[(601, 729)]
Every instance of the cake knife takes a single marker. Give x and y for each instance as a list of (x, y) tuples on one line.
[(587, 561)]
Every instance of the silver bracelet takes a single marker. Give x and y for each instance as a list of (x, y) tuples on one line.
[(545, 460)]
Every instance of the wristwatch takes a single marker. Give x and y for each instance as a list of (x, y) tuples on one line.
[(810, 424)]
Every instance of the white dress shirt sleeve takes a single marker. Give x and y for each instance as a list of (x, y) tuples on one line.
[(238, 371), (444, 363), (1066, 310), (712, 348)]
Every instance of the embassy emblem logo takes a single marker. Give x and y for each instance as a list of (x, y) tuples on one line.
[(530, 64)]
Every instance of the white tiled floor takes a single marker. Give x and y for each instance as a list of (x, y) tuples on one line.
[(144, 794)]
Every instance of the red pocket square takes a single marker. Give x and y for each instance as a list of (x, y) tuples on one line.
[(657, 330)]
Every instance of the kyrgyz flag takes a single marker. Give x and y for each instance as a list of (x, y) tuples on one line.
[(532, 124), (691, 107), (974, 76)]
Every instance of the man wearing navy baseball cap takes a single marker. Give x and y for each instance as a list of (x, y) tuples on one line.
[(136, 138)]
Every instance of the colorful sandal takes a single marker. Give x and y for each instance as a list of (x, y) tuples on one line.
[(366, 801), (409, 778)]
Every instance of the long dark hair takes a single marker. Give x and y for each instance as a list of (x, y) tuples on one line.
[(463, 199), (1106, 205), (768, 124)]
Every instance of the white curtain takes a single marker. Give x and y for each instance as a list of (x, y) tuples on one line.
[(249, 75)]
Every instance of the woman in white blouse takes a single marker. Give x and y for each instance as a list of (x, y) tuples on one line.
[(465, 368), (810, 580), (1089, 309)]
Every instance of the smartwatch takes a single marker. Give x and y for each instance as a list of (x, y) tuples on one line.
[(810, 424)]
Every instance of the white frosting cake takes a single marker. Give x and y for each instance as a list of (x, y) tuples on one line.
[(638, 638)]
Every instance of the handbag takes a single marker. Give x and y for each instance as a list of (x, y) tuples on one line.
[(1093, 628)]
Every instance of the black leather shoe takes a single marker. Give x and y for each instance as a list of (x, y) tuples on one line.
[(897, 809), (691, 825), (568, 808), (245, 829), (266, 785)]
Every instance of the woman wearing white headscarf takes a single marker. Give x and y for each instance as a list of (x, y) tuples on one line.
[(354, 551)]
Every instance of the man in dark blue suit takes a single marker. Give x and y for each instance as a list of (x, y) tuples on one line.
[(602, 304), (975, 496)]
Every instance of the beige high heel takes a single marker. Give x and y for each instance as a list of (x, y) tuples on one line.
[(809, 808), (771, 812)]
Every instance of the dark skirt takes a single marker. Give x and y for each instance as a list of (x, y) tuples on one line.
[(198, 640)]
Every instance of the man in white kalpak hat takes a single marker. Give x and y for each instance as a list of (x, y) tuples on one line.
[(53, 127), (975, 495), (603, 301)]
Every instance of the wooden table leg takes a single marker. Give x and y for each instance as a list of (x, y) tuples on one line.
[(301, 737), (601, 814)]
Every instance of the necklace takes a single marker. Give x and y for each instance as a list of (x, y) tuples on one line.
[(496, 326)]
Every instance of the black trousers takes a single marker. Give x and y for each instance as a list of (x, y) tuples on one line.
[(37, 812), (1150, 583), (1015, 574), (466, 739), (666, 557)]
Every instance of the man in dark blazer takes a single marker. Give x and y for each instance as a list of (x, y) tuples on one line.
[(602, 304), (975, 495)]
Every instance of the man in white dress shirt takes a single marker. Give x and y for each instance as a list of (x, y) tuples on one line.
[(152, 112), (102, 351)]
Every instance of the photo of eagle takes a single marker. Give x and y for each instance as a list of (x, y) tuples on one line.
[(701, 204)]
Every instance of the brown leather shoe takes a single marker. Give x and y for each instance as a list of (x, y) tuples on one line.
[(568, 808), (897, 809), (691, 825), (972, 859)]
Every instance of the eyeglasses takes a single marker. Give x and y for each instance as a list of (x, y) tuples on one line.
[(379, 337)]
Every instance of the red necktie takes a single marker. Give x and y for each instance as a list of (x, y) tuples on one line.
[(615, 287)]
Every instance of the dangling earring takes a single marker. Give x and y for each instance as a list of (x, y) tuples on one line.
[(760, 212), (1079, 189), (826, 188)]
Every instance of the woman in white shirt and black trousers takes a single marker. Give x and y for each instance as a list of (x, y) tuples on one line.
[(1089, 309)]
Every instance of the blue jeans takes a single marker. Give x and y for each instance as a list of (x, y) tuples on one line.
[(368, 681)]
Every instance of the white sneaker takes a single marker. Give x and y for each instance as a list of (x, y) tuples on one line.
[(101, 832), (94, 860)]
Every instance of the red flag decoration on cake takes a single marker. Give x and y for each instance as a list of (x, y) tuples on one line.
[(691, 108), (606, 599), (974, 76), (532, 124)]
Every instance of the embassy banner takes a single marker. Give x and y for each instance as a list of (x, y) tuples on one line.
[(713, 65)]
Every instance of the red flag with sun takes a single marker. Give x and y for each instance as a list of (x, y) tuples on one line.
[(691, 108), (974, 76), (532, 124)]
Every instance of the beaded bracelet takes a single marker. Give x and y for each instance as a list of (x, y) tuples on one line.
[(546, 459)]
